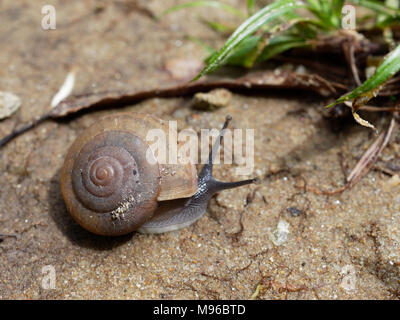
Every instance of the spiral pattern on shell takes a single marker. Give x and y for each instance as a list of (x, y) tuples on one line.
[(108, 185), (103, 173)]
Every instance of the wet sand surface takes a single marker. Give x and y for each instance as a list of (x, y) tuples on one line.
[(276, 236)]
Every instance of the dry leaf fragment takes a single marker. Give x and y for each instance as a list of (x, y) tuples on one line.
[(264, 80), (357, 117), (363, 122)]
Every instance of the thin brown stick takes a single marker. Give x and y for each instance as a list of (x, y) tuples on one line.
[(348, 49), (365, 164), (370, 157), (379, 109), (23, 129), (259, 80), (3, 235)]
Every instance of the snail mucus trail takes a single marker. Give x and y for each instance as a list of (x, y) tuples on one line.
[(110, 188)]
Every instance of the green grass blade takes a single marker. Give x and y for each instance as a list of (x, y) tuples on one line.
[(214, 4), (247, 28), (388, 22), (337, 6), (376, 6), (280, 44), (250, 7), (216, 26), (210, 50), (327, 12), (238, 57), (387, 69), (269, 42), (315, 5)]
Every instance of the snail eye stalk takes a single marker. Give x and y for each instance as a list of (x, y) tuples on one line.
[(206, 172)]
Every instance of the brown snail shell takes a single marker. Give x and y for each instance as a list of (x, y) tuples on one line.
[(107, 183)]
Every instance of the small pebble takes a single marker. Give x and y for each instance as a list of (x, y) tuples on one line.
[(392, 182), (9, 103), (274, 168), (281, 233), (294, 212), (215, 99)]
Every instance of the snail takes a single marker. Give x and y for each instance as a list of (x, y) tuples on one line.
[(111, 188)]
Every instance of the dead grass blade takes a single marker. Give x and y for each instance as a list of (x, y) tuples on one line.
[(370, 157), (366, 162)]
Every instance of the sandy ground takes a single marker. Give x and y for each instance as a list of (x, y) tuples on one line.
[(337, 247)]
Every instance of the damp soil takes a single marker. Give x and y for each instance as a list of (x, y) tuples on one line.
[(273, 240)]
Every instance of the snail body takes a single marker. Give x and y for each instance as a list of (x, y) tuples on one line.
[(111, 187)]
